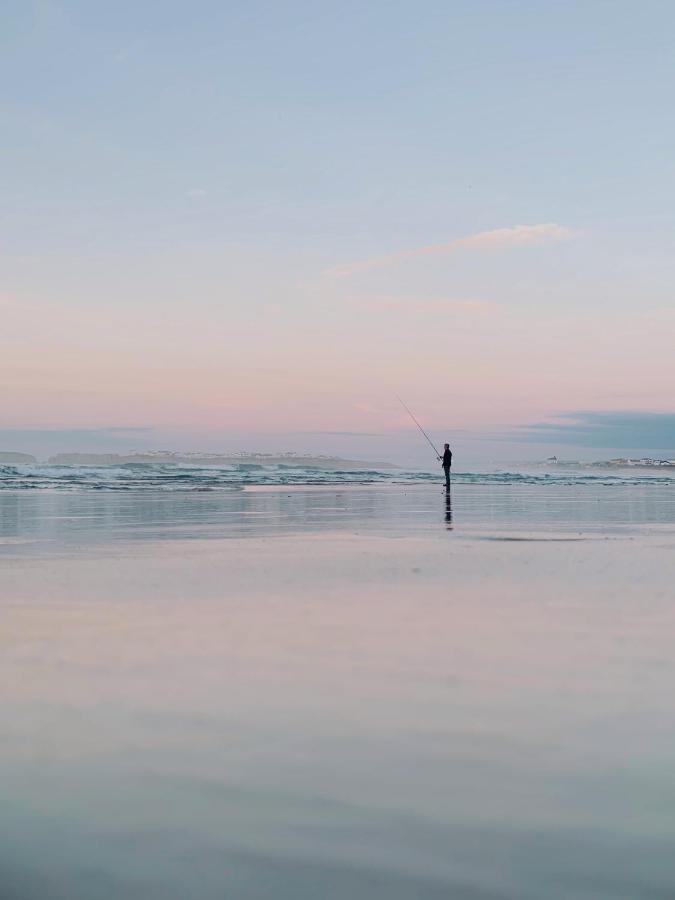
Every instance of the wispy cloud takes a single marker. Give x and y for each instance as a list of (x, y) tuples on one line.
[(355, 434), (514, 235), (73, 432), (468, 306), (605, 430)]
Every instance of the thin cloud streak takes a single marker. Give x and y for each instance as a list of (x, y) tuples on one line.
[(469, 307), (119, 430), (515, 235), (356, 434)]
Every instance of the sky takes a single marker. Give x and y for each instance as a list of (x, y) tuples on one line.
[(250, 225)]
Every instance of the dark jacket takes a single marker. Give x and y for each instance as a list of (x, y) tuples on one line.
[(447, 458)]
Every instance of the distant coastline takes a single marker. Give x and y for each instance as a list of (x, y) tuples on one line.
[(318, 461), (645, 462), (166, 457), (9, 458)]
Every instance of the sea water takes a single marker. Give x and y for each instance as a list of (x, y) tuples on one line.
[(167, 477), (363, 690)]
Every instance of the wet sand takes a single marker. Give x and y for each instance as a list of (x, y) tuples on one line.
[(337, 693)]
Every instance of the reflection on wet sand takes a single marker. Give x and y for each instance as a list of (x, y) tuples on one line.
[(448, 509), (336, 715), (46, 521), (321, 694)]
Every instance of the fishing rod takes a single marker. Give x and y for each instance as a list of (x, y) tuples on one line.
[(438, 455)]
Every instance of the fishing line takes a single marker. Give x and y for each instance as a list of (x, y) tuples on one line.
[(438, 455)]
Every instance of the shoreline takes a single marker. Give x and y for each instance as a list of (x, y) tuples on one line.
[(389, 710)]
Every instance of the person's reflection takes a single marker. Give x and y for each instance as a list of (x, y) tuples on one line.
[(448, 510)]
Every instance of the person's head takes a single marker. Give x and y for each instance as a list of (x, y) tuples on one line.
[(446, 446)]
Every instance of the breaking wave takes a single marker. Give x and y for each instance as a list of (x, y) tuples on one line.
[(162, 477)]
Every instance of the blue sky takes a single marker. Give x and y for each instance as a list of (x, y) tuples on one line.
[(184, 183)]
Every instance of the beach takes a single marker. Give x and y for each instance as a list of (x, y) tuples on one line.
[(337, 451), (331, 691)]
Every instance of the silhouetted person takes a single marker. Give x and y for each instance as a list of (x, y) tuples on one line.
[(446, 462)]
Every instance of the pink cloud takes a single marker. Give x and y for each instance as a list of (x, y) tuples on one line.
[(514, 235)]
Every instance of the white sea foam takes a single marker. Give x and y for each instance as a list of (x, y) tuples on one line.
[(163, 477)]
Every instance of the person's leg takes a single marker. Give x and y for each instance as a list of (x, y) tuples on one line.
[(447, 476)]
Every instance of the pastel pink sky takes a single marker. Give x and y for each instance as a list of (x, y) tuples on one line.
[(251, 227), (327, 355)]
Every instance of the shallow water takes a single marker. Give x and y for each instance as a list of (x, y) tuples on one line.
[(355, 692), (55, 521)]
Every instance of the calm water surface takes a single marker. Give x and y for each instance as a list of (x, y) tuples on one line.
[(47, 521), (338, 692)]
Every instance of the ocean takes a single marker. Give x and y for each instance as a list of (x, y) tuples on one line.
[(282, 684), (167, 477)]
